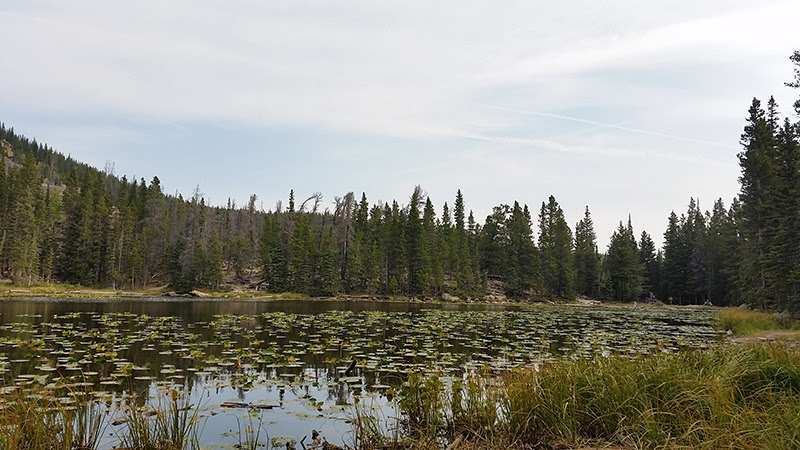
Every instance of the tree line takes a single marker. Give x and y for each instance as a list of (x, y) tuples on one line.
[(66, 221)]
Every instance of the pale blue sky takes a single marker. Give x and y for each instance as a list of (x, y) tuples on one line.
[(629, 107)]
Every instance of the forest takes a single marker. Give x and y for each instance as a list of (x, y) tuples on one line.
[(62, 221)]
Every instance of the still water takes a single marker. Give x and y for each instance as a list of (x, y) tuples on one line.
[(308, 361)]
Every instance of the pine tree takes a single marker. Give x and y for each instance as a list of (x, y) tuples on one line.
[(757, 161), (273, 257), (555, 250), (51, 234), (4, 214), (675, 260), (694, 231), (465, 279), (587, 259), (652, 269), (782, 262), (417, 254), (522, 265), (213, 269), (431, 246), (327, 271), (24, 231), (625, 272), (493, 243), (795, 58), (721, 243), (303, 253)]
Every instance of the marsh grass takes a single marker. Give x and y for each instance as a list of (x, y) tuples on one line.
[(171, 424), (251, 431), (373, 429), (31, 417), (729, 397), (746, 323)]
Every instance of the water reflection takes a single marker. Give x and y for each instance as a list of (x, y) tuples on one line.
[(308, 358)]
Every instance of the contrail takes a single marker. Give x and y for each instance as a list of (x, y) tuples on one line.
[(608, 125)]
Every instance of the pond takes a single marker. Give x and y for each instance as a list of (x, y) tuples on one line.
[(305, 362)]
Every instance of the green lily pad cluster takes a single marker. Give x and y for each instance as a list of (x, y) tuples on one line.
[(348, 355)]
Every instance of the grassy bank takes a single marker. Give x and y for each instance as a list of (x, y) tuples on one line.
[(743, 322), (730, 397)]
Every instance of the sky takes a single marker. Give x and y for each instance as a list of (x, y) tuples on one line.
[(624, 106)]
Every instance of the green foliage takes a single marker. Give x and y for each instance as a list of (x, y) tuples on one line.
[(744, 322), (728, 397), (555, 250), (587, 259), (625, 272)]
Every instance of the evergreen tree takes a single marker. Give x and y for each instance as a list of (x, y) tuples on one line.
[(694, 231), (213, 269), (587, 259), (758, 163), (795, 58), (493, 243), (625, 272), (555, 250), (675, 260), (431, 247), (652, 269), (4, 214), (721, 259), (51, 238), (417, 251), (274, 269), (782, 262), (465, 279), (522, 265), (302, 262), (23, 227)]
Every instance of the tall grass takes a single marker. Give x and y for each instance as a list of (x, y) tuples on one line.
[(33, 418), (746, 323), (252, 432), (729, 397), (171, 425)]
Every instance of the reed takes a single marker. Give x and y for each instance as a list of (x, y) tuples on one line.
[(31, 417), (728, 397), (172, 424)]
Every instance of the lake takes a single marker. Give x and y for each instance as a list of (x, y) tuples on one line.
[(309, 361)]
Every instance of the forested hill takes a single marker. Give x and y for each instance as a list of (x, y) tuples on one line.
[(64, 221)]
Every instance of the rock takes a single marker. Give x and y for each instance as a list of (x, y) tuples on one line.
[(8, 150), (200, 294), (450, 298)]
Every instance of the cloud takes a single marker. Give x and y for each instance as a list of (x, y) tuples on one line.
[(522, 96)]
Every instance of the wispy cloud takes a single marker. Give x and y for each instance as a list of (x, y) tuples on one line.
[(501, 93), (611, 126)]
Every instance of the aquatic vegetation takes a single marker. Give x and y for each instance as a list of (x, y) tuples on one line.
[(312, 360), (171, 424), (34, 417)]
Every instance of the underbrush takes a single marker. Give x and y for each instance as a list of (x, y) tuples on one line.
[(728, 397), (745, 322)]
